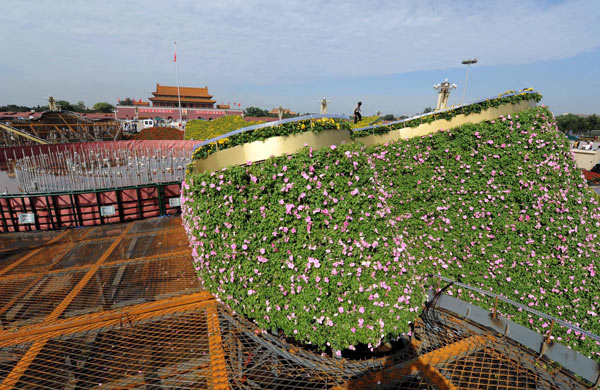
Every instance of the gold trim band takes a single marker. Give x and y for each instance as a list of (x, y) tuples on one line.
[(278, 146)]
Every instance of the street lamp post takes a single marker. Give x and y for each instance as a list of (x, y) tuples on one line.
[(468, 62)]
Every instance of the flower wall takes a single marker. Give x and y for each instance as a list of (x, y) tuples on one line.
[(333, 246), (158, 133)]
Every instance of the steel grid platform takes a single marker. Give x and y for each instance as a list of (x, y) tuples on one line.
[(120, 307)]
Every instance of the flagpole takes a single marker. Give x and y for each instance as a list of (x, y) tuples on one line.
[(178, 93)]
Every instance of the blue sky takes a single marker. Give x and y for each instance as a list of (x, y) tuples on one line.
[(265, 53)]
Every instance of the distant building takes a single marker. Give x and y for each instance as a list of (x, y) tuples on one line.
[(196, 103), (286, 111), (167, 96)]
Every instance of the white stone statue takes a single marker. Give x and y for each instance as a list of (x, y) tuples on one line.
[(443, 93), (280, 112), (52, 106), (324, 105)]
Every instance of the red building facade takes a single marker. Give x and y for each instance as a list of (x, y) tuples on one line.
[(196, 103)]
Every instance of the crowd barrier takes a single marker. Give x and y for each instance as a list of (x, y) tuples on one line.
[(59, 210), (20, 151)]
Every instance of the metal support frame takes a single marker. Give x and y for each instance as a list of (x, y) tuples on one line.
[(232, 351), (79, 218)]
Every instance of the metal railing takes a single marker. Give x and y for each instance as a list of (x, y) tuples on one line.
[(319, 116), (519, 306), (541, 344), (442, 111)]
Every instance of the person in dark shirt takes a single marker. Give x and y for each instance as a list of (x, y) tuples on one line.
[(357, 116)]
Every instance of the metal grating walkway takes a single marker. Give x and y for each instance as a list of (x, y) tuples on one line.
[(120, 307)]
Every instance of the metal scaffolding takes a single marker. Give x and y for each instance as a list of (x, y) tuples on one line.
[(120, 307), (59, 127)]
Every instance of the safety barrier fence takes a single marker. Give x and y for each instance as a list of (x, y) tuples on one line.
[(15, 152), (59, 210)]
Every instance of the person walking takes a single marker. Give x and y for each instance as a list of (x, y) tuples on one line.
[(357, 116)]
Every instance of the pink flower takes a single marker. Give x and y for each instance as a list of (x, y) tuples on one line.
[(332, 147), (262, 259)]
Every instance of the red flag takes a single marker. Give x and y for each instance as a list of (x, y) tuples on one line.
[(175, 57), (239, 104)]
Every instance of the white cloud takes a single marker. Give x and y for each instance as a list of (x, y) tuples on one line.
[(130, 43)]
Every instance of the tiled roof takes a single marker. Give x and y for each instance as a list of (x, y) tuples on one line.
[(183, 91), (183, 99), (19, 115)]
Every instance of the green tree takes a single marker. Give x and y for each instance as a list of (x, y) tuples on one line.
[(103, 107), (583, 125), (568, 123), (427, 110), (79, 106), (590, 123), (255, 111), (126, 102), (389, 117), (14, 107), (65, 105)]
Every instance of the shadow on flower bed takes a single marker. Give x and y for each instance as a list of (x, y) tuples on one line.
[(331, 247)]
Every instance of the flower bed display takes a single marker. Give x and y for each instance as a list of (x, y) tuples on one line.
[(333, 246), (366, 121), (591, 177), (330, 124), (158, 133), (199, 129)]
